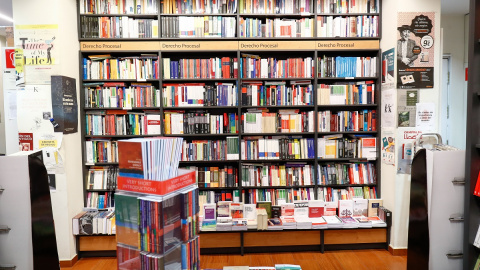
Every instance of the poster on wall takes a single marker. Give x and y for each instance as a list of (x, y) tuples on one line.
[(426, 116), (40, 54), (415, 49), (406, 107), (388, 107), (388, 148), (388, 66), (64, 104)]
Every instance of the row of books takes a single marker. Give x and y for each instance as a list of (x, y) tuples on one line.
[(346, 6), (277, 195), (339, 66), (363, 120), (199, 27), (157, 224), (149, 158), (346, 173), (104, 67), (200, 122), (276, 148), (277, 27), (288, 175), (198, 7), (336, 146), (330, 194), (118, 122), (263, 121), (118, 95), (182, 256), (276, 7), (355, 26), (118, 27), (100, 200), (118, 7), (211, 196), (102, 178), (98, 151), (94, 222), (226, 176), (253, 66), (199, 94), (346, 94), (205, 150), (212, 68), (277, 93)]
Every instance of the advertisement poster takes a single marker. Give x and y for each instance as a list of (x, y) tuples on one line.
[(426, 116), (40, 54), (406, 107), (64, 104), (388, 106), (415, 49), (26, 141), (406, 150), (388, 148), (388, 66)]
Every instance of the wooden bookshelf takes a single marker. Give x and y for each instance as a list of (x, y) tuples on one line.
[(206, 47)]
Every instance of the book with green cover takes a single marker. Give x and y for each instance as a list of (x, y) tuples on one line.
[(267, 206), (126, 219)]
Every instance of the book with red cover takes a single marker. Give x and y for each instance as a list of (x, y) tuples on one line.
[(130, 159), (316, 208)]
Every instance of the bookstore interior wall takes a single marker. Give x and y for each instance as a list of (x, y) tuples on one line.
[(275, 101)]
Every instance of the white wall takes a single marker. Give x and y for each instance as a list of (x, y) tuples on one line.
[(3, 42), (67, 201), (454, 45), (395, 189)]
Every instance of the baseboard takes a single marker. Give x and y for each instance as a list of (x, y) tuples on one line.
[(69, 263), (397, 251)]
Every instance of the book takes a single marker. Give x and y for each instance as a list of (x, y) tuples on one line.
[(76, 222), (345, 208), (250, 213), (316, 208), (267, 206), (300, 208), (276, 211), (360, 207), (373, 205), (262, 218), (288, 209), (275, 224), (223, 209), (236, 210), (333, 221), (209, 210)]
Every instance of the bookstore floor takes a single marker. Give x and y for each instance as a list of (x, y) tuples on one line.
[(330, 260)]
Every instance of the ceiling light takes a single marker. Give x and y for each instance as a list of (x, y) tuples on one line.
[(6, 18)]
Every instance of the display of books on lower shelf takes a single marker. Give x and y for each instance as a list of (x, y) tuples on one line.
[(302, 215), (94, 222)]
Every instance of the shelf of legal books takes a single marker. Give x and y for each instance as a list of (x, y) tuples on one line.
[(292, 174), (355, 146), (290, 121), (275, 65), (360, 93), (219, 177), (210, 150), (284, 7), (102, 178), (255, 27), (121, 95), (361, 173), (359, 26), (122, 122), (121, 66), (119, 27), (99, 200), (276, 196), (101, 151), (348, 7), (187, 65), (199, 26), (273, 148), (277, 94), (220, 95), (214, 196), (198, 7), (348, 65), (200, 122), (331, 194)]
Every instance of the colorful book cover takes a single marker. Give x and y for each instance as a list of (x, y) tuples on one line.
[(126, 219), (130, 159)]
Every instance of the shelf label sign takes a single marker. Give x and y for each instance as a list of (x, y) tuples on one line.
[(199, 46), (119, 46), (275, 45), (348, 45)]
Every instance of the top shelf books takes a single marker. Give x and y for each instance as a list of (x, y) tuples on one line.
[(300, 7)]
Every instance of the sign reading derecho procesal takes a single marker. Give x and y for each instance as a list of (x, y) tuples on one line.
[(415, 49)]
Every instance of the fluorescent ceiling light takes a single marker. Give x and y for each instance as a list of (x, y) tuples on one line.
[(6, 18)]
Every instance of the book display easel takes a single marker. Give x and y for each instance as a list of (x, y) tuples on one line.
[(292, 89)]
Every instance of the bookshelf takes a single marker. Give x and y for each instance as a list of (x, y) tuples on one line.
[(472, 168), (303, 52)]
